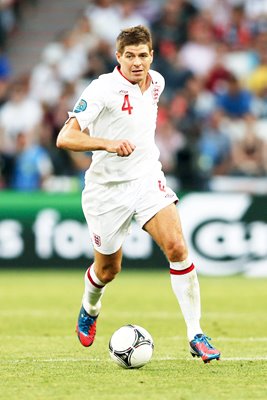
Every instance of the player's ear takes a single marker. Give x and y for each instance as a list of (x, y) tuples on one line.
[(118, 56)]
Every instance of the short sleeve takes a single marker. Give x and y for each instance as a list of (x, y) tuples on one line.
[(89, 105)]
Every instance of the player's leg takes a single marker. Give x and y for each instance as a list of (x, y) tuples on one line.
[(101, 272), (165, 228), (108, 217)]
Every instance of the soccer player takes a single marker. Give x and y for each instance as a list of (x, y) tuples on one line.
[(115, 118)]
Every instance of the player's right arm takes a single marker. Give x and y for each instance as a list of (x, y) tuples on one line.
[(71, 137)]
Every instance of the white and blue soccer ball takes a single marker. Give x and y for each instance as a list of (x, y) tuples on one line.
[(131, 346)]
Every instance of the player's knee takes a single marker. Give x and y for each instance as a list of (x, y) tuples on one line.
[(109, 272), (176, 251)]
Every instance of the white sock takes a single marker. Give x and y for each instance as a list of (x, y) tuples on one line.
[(93, 291), (185, 286)]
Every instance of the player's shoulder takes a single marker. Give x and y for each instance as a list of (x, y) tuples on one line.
[(98, 87), (102, 83), (101, 80), (106, 77), (157, 78)]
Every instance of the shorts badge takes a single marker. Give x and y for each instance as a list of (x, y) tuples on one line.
[(97, 239)]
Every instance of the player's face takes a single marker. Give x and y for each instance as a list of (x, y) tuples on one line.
[(135, 62)]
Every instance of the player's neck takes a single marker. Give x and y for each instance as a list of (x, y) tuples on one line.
[(144, 85), (125, 77)]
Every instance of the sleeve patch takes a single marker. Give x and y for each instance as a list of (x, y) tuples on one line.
[(80, 106)]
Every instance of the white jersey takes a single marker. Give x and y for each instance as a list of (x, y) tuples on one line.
[(112, 107)]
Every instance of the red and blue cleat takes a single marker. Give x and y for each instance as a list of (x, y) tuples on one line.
[(86, 328), (200, 347)]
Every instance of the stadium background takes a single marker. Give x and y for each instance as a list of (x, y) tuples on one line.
[(48, 53), (212, 127)]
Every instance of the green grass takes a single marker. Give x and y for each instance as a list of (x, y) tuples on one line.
[(42, 359)]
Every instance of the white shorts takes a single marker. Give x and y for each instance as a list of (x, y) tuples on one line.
[(110, 208)]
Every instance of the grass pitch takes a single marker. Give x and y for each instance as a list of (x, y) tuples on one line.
[(42, 359)]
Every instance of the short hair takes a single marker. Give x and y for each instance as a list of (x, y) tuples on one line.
[(133, 37)]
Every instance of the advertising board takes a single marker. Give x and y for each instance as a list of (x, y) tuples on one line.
[(226, 233)]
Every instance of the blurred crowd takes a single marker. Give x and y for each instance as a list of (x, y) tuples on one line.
[(212, 115)]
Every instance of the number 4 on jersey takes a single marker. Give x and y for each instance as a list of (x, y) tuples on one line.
[(126, 104)]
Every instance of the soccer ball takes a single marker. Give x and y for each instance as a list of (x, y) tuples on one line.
[(131, 346)]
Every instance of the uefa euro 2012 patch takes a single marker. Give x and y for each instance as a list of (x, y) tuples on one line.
[(80, 106)]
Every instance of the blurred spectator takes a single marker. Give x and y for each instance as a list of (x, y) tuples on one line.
[(84, 34), (73, 62), (149, 9), (32, 165), (257, 79), (249, 153), (198, 53), (169, 140), (45, 82), (219, 11), (103, 19), (107, 18), (236, 102), (240, 62), (19, 113), (100, 61), (5, 66), (128, 16), (5, 76), (201, 100), (214, 146), (238, 33), (187, 172), (189, 109), (55, 117), (256, 9), (63, 61), (190, 106), (217, 77), (212, 54), (172, 23), (7, 20), (81, 163), (6, 168), (11, 13)]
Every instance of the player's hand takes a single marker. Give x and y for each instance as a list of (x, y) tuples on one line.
[(123, 148)]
